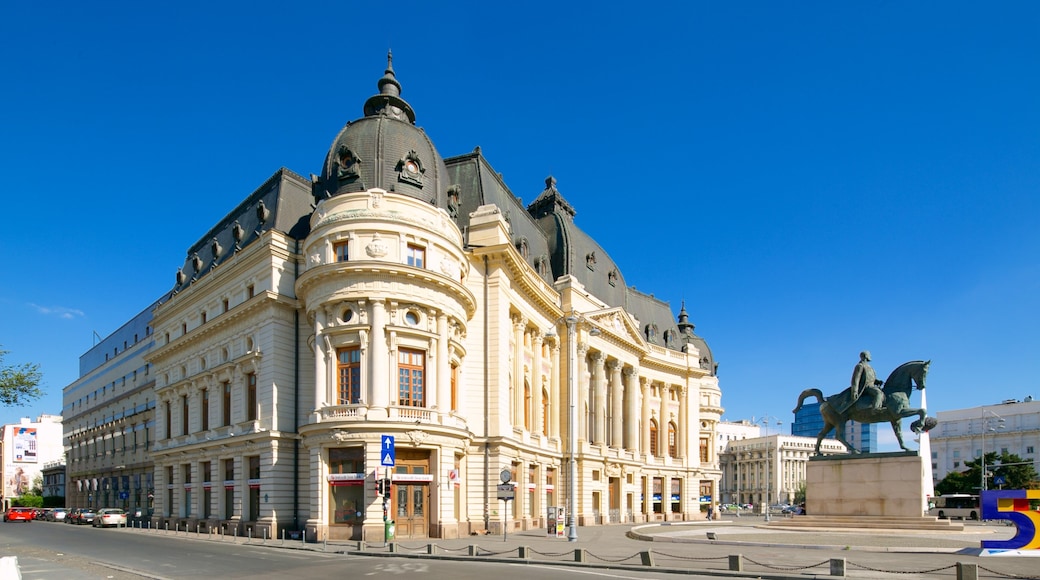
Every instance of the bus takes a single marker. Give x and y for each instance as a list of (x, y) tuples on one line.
[(957, 505)]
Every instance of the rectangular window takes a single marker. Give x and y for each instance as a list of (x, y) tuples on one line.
[(411, 366), (416, 256), (205, 409), (250, 292), (207, 489), (184, 415), (1029, 450), (348, 370), (454, 387), (229, 488), (226, 390), (254, 490), (225, 305), (186, 468), (169, 425), (347, 500), (251, 397), (341, 251)]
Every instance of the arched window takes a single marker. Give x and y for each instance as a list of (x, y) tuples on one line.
[(545, 412), (527, 405), (653, 439), (673, 448)]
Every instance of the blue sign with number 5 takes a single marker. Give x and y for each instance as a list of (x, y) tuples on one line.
[(1013, 505)]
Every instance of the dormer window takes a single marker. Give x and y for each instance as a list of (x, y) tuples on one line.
[(410, 169), (349, 165)]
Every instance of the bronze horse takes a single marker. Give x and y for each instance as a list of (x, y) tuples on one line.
[(896, 406)]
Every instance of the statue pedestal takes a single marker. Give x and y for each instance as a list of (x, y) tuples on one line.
[(869, 484)]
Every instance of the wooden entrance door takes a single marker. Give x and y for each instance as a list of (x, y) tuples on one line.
[(411, 499)]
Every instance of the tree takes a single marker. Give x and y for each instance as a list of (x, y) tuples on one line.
[(19, 384), (1017, 474)]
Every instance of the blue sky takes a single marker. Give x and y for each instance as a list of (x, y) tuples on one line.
[(812, 178)]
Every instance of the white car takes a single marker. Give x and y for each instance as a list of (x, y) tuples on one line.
[(110, 517)]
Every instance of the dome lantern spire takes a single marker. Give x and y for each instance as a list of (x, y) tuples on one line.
[(388, 102)]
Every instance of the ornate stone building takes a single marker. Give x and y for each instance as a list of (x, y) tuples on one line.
[(403, 295)]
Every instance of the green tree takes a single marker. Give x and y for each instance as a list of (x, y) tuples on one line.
[(19, 384), (1017, 474)]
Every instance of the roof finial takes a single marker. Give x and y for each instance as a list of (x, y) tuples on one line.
[(388, 101)]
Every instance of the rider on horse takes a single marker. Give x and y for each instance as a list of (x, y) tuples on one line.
[(865, 383)]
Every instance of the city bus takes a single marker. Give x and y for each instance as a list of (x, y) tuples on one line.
[(957, 505)]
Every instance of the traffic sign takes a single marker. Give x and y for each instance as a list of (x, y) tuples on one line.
[(505, 492), (387, 451)]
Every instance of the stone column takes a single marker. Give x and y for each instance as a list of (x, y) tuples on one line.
[(644, 445), (599, 400), (683, 436), (518, 372), (662, 427), (556, 405), (537, 420), (616, 405), (443, 388), (583, 379), (379, 363), (631, 412), (321, 376)]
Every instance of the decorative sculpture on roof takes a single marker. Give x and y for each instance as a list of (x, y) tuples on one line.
[(895, 402)]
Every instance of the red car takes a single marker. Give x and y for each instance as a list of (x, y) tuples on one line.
[(18, 514)]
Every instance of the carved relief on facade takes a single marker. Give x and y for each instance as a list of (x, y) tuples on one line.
[(417, 436), (377, 248)]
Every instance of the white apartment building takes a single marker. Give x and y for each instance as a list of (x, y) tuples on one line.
[(768, 468), (1011, 426), (25, 448)]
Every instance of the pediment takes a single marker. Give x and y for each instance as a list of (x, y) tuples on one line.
[(620, 324)]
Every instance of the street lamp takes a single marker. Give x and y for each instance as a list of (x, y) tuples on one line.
[(986, 427), (769, 454), (572, 321)]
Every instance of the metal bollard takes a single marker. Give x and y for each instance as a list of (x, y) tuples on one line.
[(579, 555), (967, 571), (838, 567), (472, 550), (524, 552), (431, 548), (736, 562), (393, 547)]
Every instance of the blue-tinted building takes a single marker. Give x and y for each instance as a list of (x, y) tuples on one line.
[(808, 421)]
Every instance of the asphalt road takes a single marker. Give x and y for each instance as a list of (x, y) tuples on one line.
[(53, 551)]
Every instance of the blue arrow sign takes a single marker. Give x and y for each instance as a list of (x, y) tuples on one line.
[(387, 452)]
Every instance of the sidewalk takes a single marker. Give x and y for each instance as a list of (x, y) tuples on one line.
[(745, 548)]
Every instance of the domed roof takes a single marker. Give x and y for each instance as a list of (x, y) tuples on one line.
[(386, 150)]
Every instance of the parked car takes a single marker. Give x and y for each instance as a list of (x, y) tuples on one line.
[(18, 514), (57, 515), (110, 517), (84, 516)]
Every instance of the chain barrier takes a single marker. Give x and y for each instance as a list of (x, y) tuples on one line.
[(454, 550), (482, 552), (404, 547), (929, 571), (611, 560), (1004, 574), (785, 568), (553, 554), (704, 558)]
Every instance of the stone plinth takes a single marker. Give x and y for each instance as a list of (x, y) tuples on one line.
[(873, 484)]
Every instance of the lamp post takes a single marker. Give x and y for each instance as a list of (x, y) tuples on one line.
[(769, 454), (986, 427), (572, 321)]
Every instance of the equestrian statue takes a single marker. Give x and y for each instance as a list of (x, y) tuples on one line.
[(869, 400)]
